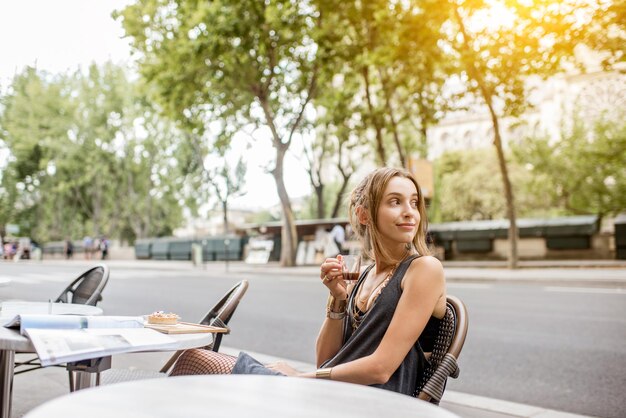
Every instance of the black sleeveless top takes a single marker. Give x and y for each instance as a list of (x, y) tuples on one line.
[(367, 337)]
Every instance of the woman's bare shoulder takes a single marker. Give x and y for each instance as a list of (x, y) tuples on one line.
[(426, 268), (428, 262)]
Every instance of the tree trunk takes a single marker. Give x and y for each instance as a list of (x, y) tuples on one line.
[(380, 146), (508, 190), (340, 195), (225, 216), (423, 145), (319, 193), (289, 235), (497, 142), (392, 119)]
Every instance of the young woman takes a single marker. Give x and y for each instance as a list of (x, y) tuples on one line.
[(379, 332)]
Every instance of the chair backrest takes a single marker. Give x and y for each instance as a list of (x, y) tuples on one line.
[(448, 345), (223, 311), (87, 288), (218, 316)]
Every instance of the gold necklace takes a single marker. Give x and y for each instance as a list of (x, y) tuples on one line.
[(385, 280), (357, 314)]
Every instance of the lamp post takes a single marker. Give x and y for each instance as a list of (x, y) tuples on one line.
[(204, 242), (226, 244)]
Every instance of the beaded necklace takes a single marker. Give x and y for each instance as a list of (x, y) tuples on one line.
[(357, 314)]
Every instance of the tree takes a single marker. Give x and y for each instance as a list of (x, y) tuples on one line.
[(338, 133), (89, 156), (236, 62), (391, 49), (584, 169), (528, 38), (36, 117)]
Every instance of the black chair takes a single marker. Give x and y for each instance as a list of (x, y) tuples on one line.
[(218, 316), (448, 345), (85, 290)]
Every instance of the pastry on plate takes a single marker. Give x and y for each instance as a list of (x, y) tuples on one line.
[(162, 318)]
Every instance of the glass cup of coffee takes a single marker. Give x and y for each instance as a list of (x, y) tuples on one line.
[(351, 269)]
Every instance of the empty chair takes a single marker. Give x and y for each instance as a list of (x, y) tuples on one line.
[(85, 290), (218, 316), (448, 345)]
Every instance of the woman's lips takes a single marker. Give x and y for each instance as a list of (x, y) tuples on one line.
[(406, 227)]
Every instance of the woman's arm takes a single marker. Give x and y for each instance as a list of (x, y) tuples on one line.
[(329, 340), (330, 337), (423, 291)]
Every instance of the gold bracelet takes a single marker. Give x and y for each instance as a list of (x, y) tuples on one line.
[(336, 306), (323, 373), (335, 315)]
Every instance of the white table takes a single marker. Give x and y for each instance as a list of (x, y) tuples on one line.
[(237, 396), (11, 342)]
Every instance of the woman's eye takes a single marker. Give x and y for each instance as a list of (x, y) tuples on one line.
[(414, 203)]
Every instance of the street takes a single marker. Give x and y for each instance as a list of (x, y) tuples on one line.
[(559, 347)]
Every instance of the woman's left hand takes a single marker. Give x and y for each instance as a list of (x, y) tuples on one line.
[(283, 368)]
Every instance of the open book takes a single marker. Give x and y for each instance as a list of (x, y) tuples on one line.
[(66, 338)]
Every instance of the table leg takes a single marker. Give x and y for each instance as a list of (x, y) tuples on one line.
[(86, 372), (7, 358), (84, 380)]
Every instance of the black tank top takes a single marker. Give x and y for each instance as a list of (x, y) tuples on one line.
[(367, 337)]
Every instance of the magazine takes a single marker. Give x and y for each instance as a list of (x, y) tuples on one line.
[(67, 338), (25, 321)]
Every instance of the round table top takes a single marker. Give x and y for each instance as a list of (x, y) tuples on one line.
[(237, 396), (10, 339), (10, 309)]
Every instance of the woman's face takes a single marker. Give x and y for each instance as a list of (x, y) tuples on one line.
[(398, 214)]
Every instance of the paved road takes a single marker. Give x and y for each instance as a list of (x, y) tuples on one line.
[(547, 345)]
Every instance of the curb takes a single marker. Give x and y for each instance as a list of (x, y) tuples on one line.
[(450, 398), (498, 406)]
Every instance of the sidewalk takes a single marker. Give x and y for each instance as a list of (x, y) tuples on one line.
[(34, 388)]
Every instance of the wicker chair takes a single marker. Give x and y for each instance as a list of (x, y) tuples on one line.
[(448, 345), (85, 290), (218, 316)]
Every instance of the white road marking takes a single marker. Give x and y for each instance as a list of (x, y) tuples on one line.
[(34, 278), (603, 290), (468, 286)]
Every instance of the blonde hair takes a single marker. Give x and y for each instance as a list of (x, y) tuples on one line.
[(367, 196)]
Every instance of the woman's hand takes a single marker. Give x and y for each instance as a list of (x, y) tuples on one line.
[(283, 368), (332, 277)]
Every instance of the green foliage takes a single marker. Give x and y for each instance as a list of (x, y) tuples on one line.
[(470, 186), (89, 156), (331, 190), (220, 60), (582, 172)]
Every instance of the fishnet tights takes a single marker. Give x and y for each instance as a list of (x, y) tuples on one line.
[(200, 361)]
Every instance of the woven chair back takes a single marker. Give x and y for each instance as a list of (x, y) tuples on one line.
[(448, 345)]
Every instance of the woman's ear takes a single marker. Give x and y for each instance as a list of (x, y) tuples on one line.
[(362, 215)]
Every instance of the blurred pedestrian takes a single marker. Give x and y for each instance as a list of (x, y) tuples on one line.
[(87, 247), (104, 247), (338, 234), (69, 249)]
